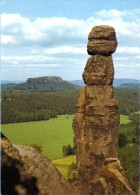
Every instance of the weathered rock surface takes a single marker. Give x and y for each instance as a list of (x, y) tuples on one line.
[(102, 40), (99, 70), (25, 171), (96, 122)]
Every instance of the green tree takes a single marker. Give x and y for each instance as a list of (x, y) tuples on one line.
[(122, 139), (135, 119), (129, 158), (68, 150)]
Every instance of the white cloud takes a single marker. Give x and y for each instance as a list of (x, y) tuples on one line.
[(10, 19), (7, 40), (128, 50), (58, 31), (122, 65), (60, 42), (65, 50), (126, 22), (138, 57), (110, 13), (122, 58), (40, 61), (43, 31), (138, 65), (25, 59)]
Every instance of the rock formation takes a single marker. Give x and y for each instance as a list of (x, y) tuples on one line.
[(25, 171), (96, 121)]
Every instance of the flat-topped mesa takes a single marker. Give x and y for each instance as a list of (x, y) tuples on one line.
[(97, 119), (102, 40)]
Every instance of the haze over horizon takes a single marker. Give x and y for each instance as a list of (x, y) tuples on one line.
[(48, 37), (8, 81)]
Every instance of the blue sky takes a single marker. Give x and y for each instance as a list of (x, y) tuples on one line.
[(49, 37)]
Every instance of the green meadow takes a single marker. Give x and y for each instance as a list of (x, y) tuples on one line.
[(52, 134), (63, 164)]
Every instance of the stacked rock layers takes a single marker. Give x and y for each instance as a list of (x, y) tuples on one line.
[(96, 121)]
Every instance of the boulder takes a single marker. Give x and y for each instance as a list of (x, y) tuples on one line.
[(102, 40)]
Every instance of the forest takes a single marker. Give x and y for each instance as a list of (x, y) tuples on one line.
[(36, 106), (24, 106), (128, 150)]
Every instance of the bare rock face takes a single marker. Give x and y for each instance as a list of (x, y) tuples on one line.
[(97, 119), (25, 171), (102, 40), (99, 70)]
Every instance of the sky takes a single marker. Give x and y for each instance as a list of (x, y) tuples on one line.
[(49, 37)]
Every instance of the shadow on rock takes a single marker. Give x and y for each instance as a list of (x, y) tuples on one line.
[(11, 181)]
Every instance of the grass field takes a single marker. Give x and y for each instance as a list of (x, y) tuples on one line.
[(52, 135), (62, 164)]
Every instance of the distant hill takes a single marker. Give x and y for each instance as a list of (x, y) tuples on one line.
[(13, 82), (54, 83), (122, 83), (45, 83), (130, 85), (125, 82), (8, 86)]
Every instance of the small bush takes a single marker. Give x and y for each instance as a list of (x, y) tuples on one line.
[(68, 150), (72, 172), (37, 147)]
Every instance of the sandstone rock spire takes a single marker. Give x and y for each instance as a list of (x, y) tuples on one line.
[(96, 121)]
